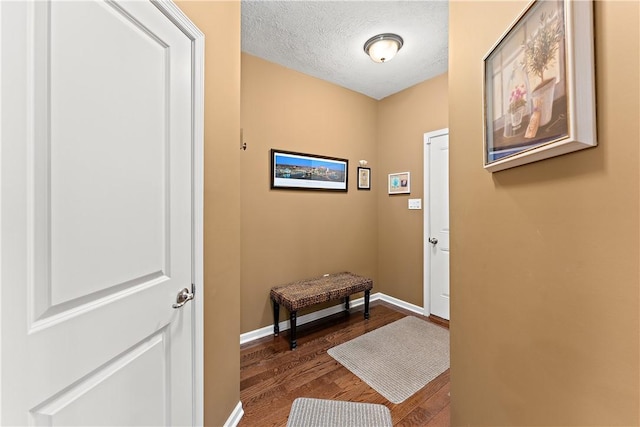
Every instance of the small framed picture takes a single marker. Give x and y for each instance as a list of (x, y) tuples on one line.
[(400, 183), (364, 178)]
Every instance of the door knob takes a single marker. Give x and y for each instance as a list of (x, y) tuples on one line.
[(433, 240), (183, 296)]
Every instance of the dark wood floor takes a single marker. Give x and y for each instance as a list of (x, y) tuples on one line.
[(271, 376)]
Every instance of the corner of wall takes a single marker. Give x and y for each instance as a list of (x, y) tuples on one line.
[(221, 20), (403, 119)]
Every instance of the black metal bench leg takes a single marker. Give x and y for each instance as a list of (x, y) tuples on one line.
[(276, 319), (366, 304), (346, 303), (292, 336)]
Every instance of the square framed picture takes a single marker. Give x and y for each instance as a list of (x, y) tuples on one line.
[(539, 92), (364, 178), (400, 183)]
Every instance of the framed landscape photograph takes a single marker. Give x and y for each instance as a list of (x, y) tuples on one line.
[(364, 178), (539, 90), (400, 183), (291, 170)]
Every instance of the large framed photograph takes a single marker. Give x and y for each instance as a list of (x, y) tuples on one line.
[(539, 86), (290, 170), (364, 178), (400, 183)]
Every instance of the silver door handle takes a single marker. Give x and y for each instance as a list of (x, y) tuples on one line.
[(433, 240), (182, 298)]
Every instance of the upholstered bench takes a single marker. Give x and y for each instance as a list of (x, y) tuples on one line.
[(304, 293)]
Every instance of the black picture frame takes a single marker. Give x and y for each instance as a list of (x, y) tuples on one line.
[(300, 171), (364, 178)]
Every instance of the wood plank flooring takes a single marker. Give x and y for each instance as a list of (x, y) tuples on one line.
[(272, 376)]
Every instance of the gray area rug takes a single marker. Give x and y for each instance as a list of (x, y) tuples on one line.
[(398, 359), (307, 412)]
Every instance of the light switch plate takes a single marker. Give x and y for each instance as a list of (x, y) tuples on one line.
[(415, 203)]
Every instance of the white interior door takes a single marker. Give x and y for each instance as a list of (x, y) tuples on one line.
[(436, 223), (96, 215)]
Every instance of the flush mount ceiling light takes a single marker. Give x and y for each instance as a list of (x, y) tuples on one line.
[(383, 47)]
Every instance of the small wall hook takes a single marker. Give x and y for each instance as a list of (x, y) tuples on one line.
[(243, 145)]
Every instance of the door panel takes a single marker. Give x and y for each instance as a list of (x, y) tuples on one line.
[(96, 208), (141, 370), (437, 223), (92, 163)]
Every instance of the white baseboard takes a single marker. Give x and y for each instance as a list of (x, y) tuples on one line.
[(235, 417), (285, 325), (402, 304)]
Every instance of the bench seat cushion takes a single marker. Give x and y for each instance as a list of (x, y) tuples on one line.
[(308, 292)]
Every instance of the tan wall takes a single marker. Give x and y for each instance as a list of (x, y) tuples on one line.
[(290, 235), (403, 119), (221, 21), (544, 257)]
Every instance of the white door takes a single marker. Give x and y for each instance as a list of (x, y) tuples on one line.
[(96, 213), (436, 223)]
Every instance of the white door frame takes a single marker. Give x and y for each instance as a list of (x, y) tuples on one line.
[(196, 36), (426, 221), (175, 15)]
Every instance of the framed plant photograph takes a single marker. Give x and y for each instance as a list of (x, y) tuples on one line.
[(400, 183), (291, 170), (364, 178), (539, 90)]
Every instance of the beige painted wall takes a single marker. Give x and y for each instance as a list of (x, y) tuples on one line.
[(290, 235), (544, 258), (403, 119), (221, 21)]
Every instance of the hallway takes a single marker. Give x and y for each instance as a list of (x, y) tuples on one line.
[(272, 376)]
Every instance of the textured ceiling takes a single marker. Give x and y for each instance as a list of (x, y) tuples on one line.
[(325, 39)]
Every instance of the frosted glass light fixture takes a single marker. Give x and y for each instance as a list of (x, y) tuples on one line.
[(383, 47)]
